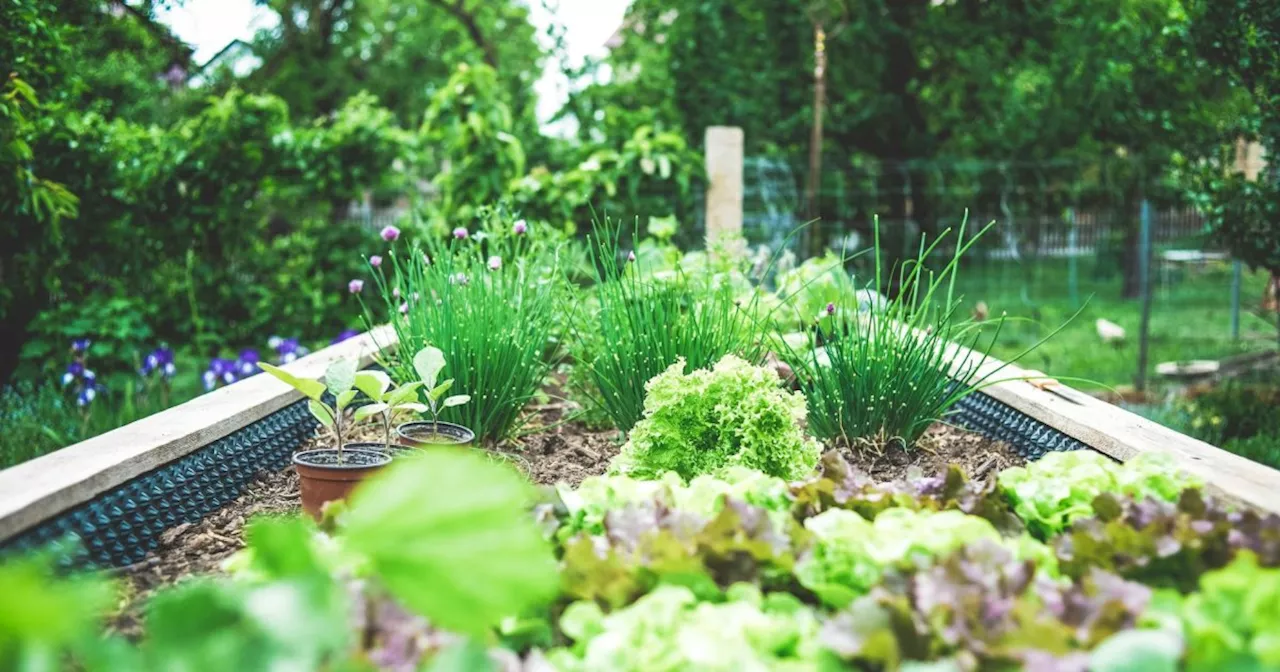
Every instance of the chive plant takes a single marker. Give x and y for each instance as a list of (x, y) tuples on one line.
[(491, 304), (880, 375), (643, 324)]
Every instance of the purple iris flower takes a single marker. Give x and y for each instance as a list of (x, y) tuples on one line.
[(247, 363), (86, 396), (390, 233), (74, 371), (80, 345), (288, 350), (344, 335), (160, 359), (220, 371)]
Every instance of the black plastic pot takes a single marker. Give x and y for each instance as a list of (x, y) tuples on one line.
[(425, 434), (396, 450), (322, 477)]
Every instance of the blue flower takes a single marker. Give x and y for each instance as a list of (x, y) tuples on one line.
[(86, 396), (160, 359), (288, 350), (247, 364), (80, 345), (345, 334)]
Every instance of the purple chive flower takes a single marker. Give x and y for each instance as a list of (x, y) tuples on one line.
[(375, 261), (461, 233), (80, 345), (355, 286), (831, 309), (495, 263), (520, 227), (631, 256), (460, 279), (404, 308), (395, 292), (344, 335), (390, 234)]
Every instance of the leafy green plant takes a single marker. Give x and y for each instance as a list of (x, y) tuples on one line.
[(46, 614), (494, 322), (339, 381), (1231, 622), (387, 400), (644, 325), (36, 420), (879, 373), (735, 414), (429, 362), (1059, 488)]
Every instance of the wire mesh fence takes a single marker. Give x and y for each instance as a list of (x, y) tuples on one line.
[(1063, 245)]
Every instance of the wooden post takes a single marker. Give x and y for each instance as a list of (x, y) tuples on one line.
[(724, 190)]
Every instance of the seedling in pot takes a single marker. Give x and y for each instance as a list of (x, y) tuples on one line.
[(387, 400), (339, 380), (429, 362)]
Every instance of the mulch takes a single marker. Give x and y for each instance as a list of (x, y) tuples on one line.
[(552, 450)]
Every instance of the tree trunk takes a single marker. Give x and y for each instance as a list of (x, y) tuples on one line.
[(813, 181)]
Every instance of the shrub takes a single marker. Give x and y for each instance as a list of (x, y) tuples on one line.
[(644, 325), (494, 325), (735, 414)]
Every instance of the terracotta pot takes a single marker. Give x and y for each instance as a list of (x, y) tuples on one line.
[(425, 434), (322, 478)]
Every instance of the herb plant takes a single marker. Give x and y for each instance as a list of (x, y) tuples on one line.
[(339, 381), (879, 373), (644, 325)]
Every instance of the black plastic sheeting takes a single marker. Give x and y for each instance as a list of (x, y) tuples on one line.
[(121, 526)]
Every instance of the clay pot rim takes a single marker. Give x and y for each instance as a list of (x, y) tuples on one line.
[(381, 459)]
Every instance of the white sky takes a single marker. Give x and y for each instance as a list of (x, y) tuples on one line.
[(209, 25)]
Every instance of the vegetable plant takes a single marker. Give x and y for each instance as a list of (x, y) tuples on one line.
[(386, 399), (735, 414), (338, 381), (429, 362)]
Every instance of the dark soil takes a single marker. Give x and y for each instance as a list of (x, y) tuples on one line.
[(552, 450), (350, 459), (942, 445)]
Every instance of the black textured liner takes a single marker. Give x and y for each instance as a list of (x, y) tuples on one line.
[(121, 526), (997, 420)]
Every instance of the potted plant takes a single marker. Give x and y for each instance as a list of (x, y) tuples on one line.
[(428, 364), (386, 402), (329, 474)]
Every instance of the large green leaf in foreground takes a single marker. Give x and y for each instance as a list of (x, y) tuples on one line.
[(450, 535)]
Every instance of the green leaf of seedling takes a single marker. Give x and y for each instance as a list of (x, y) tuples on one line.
[(438, 391), (281, 547), (312, 389), (429, 362), (464, 552), (406, 392), (340, 376), (457, 400), (367, 411), (344, 399), (412, 406), (373, 383), (321, 412)]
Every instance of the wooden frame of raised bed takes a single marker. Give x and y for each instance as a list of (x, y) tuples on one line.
[(118, 492)]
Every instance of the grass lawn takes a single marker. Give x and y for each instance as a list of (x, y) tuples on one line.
[(1190, 317)]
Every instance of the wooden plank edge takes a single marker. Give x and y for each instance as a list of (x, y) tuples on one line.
[(1121, 434), (45, 487)]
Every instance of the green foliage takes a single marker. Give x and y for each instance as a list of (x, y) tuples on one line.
[(850, 555), (1231, 623), (46, 614), (493, 326), (339, 382), (463, 552), (877, 373), (734, 414), (1165, 544), (387, 401), (670, 629), (36, 420), (1059, 488), (428, 363), (644, 322), (116, 324)]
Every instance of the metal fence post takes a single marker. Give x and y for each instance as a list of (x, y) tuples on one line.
[(1144, 286)]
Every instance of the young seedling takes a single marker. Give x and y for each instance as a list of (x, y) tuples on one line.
[(429, 362), (387, 400), (339, 380)]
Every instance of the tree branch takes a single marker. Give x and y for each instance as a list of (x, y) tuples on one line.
[(468, 21)]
